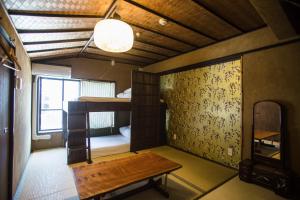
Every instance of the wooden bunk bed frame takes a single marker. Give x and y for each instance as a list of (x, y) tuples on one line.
[(147, 118)]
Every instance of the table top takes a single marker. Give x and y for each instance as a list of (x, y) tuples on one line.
[(259, 135), (104, 177)]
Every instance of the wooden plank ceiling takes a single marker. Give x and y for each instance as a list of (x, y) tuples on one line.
[(55, 28)]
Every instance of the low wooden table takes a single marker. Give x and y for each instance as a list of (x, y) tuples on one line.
[(98, 179)]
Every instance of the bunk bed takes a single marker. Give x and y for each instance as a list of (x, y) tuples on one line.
[(109, 145), (147, 118)]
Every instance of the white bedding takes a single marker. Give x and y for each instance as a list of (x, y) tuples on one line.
[(125, 94), (125, 131), (102, 99), (108, 145)]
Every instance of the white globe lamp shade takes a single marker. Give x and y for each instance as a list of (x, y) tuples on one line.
[(113, 35)]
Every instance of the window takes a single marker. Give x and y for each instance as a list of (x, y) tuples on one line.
[(51, 104), (52, 94)]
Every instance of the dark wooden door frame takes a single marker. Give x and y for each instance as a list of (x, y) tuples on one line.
[(8, 51), (11, 98), (11, 133)]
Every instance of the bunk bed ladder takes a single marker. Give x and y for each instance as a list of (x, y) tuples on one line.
[(78, 132), (89, 157)]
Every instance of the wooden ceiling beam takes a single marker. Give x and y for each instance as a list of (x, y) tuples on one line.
[(108, 13), (148, 51), (107, 58), (155, 46), (115, 57), (145, 51), (126, 53), (144, 57), (44, 59), (164, 35), (54, 49), (151, 47), (51, 57), (170, 19), (49, 14), (158, 45), (275, 17), (54, 30), (55, 41), (199, 3)]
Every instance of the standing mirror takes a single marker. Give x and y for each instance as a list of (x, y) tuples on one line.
[(269, 164), (267, 131)]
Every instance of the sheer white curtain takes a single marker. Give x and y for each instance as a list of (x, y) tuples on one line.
[(99, 89)]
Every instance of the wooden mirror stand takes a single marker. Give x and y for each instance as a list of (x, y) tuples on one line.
[(268, 164)]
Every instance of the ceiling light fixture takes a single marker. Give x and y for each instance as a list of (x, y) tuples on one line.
[(113, 35)]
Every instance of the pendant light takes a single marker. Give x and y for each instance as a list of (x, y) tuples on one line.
[(113, 35)]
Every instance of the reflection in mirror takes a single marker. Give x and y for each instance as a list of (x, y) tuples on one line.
[(267, 129)]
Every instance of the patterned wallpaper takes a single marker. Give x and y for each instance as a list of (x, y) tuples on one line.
[(205, 111)]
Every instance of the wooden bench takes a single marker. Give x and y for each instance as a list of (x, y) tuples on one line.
[(95, 180)]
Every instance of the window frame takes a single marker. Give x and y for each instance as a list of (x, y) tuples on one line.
[(39, 104)]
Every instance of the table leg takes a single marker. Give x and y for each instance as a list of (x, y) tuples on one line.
[(161, 190), (166, 181)]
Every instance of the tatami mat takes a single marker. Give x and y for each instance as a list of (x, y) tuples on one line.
[(236, 189), (202, 173), (48, 177), (46, 173), (177, 189)]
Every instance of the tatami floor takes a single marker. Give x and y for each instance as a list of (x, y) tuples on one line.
[(48, 177)]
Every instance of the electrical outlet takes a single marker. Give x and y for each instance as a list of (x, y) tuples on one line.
[(174, 136), (230, 151)]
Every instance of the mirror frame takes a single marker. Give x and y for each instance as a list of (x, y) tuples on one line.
[(283, 135)]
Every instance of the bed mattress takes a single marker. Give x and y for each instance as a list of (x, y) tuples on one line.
[(102, 99), (108, 145)]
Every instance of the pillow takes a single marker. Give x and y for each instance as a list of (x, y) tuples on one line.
[(127, 91), (120, 95), (125, 131), (124, 95)]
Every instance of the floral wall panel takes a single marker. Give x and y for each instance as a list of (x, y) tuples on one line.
[(204, 111)]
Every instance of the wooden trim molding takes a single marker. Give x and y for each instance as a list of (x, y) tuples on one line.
[(225, 58)]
